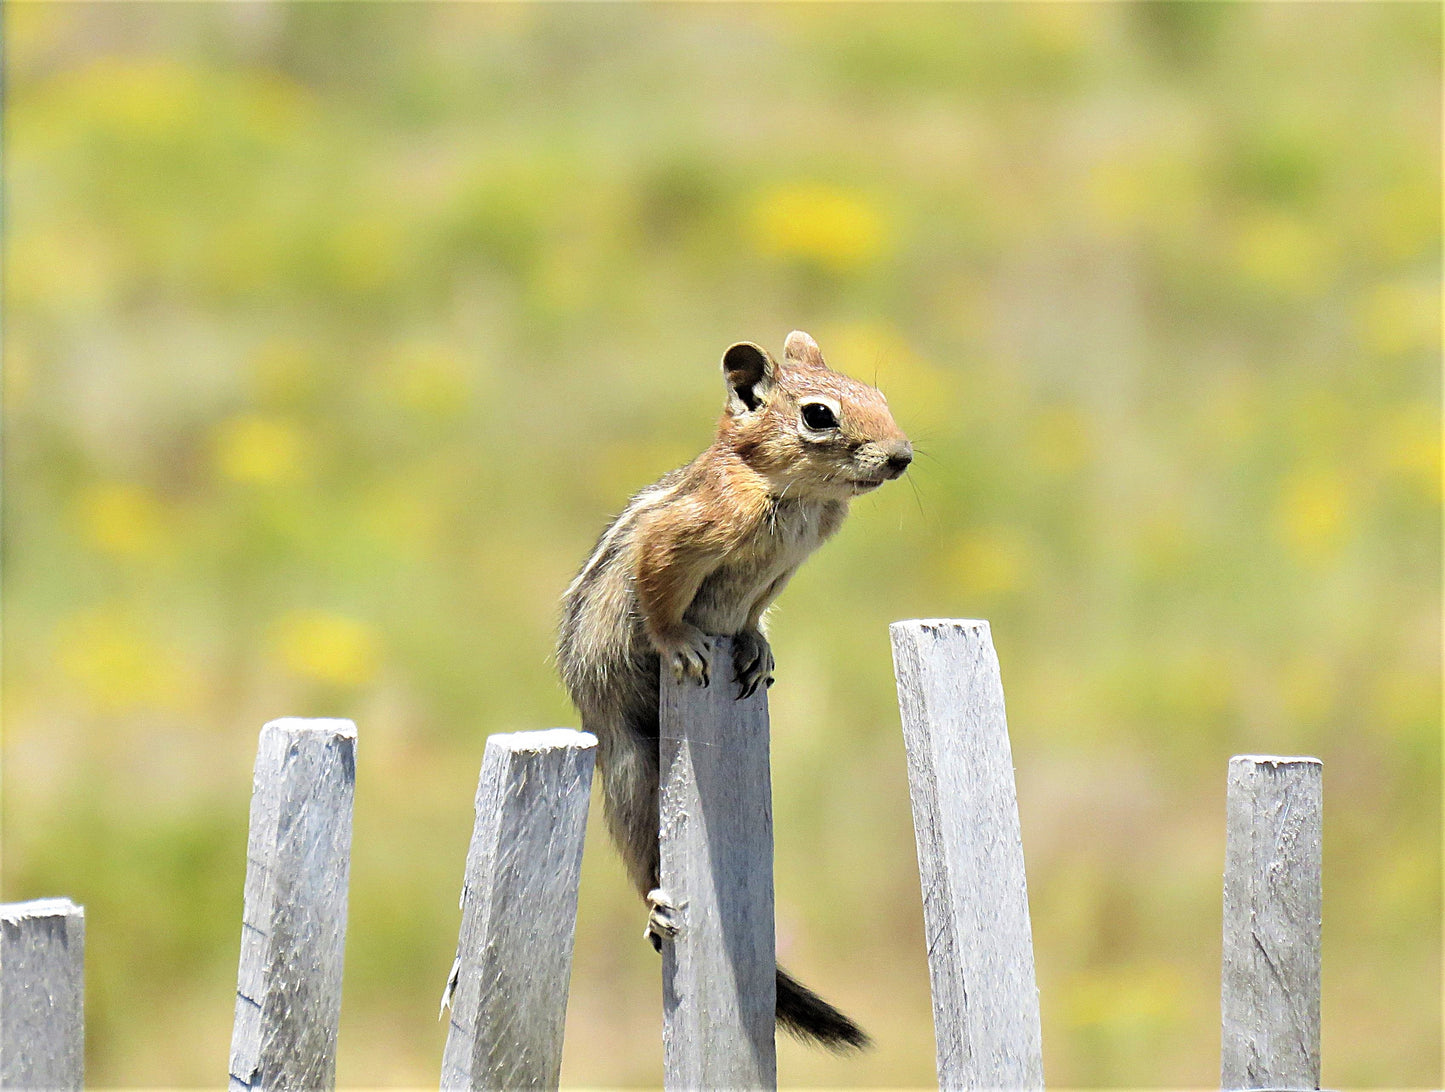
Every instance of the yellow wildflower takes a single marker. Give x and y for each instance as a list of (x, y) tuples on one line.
[(834, 227), (119, 517), (1311, 515), (326, 648), (259, 450)]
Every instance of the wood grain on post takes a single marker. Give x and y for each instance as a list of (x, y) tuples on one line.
[(508, 991), (42, 992), (719, 972), (970, 855), (1270, 998), (298, 858)]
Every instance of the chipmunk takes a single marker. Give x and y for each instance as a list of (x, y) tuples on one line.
[(705, 551)]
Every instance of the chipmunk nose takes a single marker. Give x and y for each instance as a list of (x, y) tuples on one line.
[(900, 454)]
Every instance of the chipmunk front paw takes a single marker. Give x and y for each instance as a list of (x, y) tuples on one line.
[(752, 662), (687, 650)]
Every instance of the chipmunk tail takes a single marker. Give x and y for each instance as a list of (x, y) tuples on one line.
[(802, 1013)]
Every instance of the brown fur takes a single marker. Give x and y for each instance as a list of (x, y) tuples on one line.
[(705, 550)]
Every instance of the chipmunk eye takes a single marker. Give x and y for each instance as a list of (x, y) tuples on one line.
[(818, 416)]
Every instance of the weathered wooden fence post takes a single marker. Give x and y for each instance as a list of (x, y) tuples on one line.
[(1272, 898), (298, 858), (719, 972), (508, 988), (42, 995), (970, 856)]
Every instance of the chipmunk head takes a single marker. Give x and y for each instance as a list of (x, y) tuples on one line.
[(810, 431)]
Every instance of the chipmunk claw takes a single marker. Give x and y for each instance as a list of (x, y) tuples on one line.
[(686, 665), (689, 655), (752, 662), (663, 918)]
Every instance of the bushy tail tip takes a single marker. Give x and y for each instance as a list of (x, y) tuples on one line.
[(804, 1014)]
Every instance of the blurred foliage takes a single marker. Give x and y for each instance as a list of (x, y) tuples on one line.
[(335, 332)]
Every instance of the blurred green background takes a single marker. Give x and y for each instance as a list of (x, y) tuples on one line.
[(334, 333)]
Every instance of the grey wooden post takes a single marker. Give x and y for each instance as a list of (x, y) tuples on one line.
[(508, 987), (719, 973), (1270, 997), (298, 857), (970, 855), (42, 995)]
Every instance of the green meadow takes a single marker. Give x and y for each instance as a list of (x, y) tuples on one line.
[(334, 333)]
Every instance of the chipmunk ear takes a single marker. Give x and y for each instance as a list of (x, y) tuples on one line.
[(802, 350), (749, 371)]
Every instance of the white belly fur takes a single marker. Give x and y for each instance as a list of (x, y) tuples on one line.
[(748, 579)]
